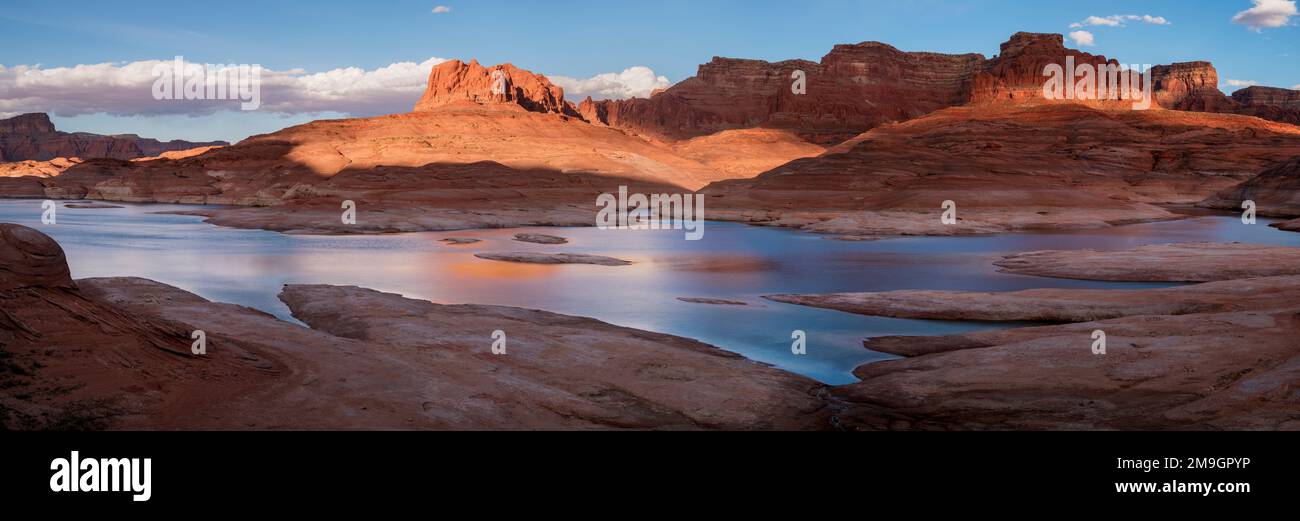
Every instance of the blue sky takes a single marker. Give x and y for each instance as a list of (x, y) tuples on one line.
[(581, 39)]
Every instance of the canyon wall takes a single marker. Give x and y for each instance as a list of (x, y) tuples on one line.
[(858, 87), (853, 88)]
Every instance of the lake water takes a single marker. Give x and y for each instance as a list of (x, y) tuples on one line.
[(733, 262)]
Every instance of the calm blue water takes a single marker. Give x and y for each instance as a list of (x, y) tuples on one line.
[(734, 262)]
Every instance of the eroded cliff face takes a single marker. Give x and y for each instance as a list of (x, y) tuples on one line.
[(1192, 86), (856, 88), (852, 89), (1268, 96), (1269, 103), (27, 124), (1017, 73)]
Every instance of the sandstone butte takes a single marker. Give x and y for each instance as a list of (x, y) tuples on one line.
[(909, 130)]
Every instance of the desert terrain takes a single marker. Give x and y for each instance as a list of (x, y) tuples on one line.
[(880, 142)]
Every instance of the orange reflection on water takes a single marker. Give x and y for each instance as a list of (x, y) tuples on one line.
[(489, 269)]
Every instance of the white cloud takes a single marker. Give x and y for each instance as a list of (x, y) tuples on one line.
[(1083, 38), (125, 89), (442, 9), (1241, 83), (1119, 19), (1266, 14), (1296, 86), (638, 81)]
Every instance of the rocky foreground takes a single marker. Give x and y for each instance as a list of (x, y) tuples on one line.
[(1219, 355), (117, 354)]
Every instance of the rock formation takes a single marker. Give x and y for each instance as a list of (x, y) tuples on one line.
[(30, 259), (855, 88), (1016, 74), (33, 168), (1190, 86), (67, 358), (456, 83), (33, 137), (553, 258), (1054, 305), (1269, 103), (1268, 96), (852, 89), (1275, 191), (1219, 355), (1194, 86), (1201, 371), (1196, 262), (540, 238)]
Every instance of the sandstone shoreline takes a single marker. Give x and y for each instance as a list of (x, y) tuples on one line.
[(1216, 355)]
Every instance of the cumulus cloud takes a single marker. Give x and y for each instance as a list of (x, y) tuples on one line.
[(1266, 14), (126, 89), (1083, 38), (633, 82), (1241, 83), (442, 9), (1118, 20)]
